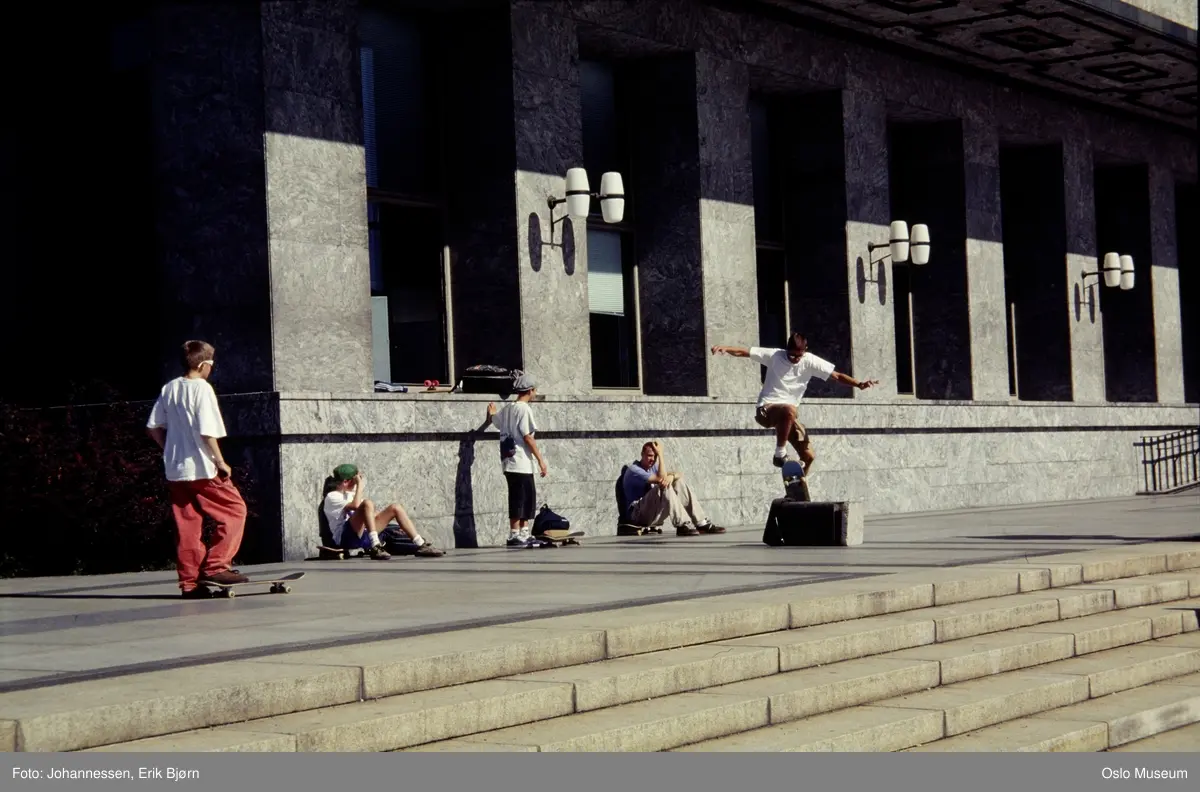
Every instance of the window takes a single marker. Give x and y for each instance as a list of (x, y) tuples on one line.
[(405, 212), (770, 254), (612, 272)]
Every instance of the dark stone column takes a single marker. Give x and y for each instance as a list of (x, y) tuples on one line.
[(1087, 339), (1163, 269), (666, 178), (985, 259)]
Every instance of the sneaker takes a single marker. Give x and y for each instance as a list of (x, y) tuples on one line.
[(515, 540), (228, 577), (429, 551), (779, 459), (709, 528), (379, 554), (686, 530), (200, 592)]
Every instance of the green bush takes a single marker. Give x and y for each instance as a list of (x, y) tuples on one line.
[(84, 492)]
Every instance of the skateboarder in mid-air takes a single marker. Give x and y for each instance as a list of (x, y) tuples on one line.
[(186, 423), (356, 522), (788, 373)]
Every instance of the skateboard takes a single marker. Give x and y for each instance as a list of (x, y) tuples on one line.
[(629, 529), (278, 585), (795, 484), (558, 538), (325, 553)]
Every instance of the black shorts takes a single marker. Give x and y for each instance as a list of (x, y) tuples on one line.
[(522, 495)]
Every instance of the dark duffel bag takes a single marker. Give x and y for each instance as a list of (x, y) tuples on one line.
[(489, 379), (803, 524)]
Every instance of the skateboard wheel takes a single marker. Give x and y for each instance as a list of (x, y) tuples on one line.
[(229, 593), (285, 589)]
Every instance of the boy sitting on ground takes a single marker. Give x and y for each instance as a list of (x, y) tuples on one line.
[(355, 522)]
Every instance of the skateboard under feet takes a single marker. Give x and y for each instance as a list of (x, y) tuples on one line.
[(558, 538), (629, 529), (278, 585)]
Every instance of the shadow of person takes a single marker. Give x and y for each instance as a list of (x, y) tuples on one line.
[(465, 535)]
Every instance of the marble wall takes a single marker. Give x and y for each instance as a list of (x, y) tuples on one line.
[(1164, 286), (892, 458)]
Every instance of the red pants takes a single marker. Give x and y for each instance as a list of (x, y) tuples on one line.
[(190, 501)]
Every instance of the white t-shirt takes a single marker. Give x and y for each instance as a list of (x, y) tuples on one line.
[(187, 408), (335, 505), (514, 422), (786, 382)]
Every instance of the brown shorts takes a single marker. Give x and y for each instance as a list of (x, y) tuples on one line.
[(770, 415)]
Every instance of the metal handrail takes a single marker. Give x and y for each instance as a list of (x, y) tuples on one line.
[(1170, 462)]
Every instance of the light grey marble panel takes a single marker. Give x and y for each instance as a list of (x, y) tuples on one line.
[(727, 255), (985, 259), (1087, 332), (1164, 280)]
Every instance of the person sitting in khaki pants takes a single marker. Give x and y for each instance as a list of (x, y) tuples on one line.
[(655, 495)]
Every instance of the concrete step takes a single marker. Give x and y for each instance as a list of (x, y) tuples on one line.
[(1185, 739), (613, 658)]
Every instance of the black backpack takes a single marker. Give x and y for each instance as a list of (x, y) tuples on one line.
[(548, 520), (622, 505)]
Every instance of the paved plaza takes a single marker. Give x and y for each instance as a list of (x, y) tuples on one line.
[(65, 629)]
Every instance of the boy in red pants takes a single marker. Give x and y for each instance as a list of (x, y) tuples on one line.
[(186, 423)]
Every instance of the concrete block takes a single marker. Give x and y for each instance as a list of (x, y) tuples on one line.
[(834, 602), (1114, 670), (1035, 576), (103, 712), (1185, 739), (8, 736), (968, 619), (426, 662), (218, 740), (1189, 614), (1181, 555), (813, 691), (657, 725), (1184, 640), (983, 702), (986, 655), (1138, 713), (1115, 563), (968, 583), (848, 640), (466, 746), (1133, 594), (1075, 603), (646, 676), (1027, 735), (1191, 680), (1192, 576), (857, 729), (415, 718), (1102, 631), (652, 628), (853, 513)]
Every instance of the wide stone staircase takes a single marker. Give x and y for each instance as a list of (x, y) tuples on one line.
[(1090, 651)]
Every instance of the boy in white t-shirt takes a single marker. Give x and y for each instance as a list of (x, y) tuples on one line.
[(186, 423), (355, 522), (788, 373), (518, 450)]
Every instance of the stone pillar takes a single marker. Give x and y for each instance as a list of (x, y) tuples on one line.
[(872, 323), (1087, 332), (262, 193), (1164, 281), (727, 254), (551, 259), (985, 260), (316, 197)]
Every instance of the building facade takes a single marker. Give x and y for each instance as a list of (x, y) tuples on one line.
[(335, 193)]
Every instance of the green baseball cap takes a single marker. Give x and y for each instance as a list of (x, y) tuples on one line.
[(345, 472)]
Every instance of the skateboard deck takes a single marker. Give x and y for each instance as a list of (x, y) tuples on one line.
[(795, 484), (325, 553), (557, 538), (278, 585), (629, 529)]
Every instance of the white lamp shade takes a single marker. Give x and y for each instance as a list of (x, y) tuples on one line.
[(898, 237), (920, 244), (579, 199), (612, 197), (1126, 272), (1112, 269)]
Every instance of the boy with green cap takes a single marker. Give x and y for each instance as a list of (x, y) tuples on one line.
[(355, 522)]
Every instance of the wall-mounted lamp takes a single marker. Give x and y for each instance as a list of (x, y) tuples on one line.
[(579, 196), (901, 245), (1117, 271)]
